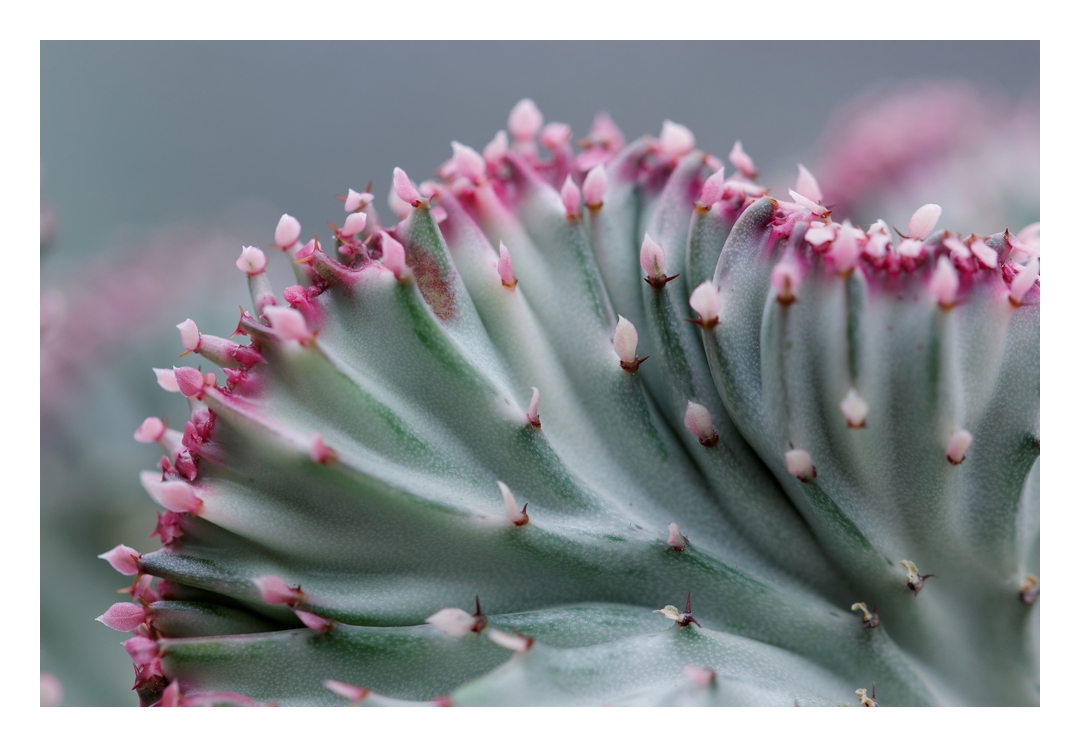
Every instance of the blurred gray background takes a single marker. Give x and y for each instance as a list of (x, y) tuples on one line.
[(161, 159)]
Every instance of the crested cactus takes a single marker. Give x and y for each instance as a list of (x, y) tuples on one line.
[(603, 427)]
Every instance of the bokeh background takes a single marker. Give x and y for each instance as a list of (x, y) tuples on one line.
[(159, 160)]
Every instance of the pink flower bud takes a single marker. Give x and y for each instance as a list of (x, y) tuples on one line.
[(315, 622), (252, 260), (175, 495), (911, 248), (626, 340), (151, 430), (805, 202), (400, 208), (785, 280), (698, 421), (854, 409), (957, 248), (525, 121), (287, 232), (571, 198), (1022, 283), (705, 300), (741, 161), (923, 221), (356, 200), (189, 381), (712, 191), (288, 323), (959, 441), (506, 267), (676, 140), (189, 335), (675, 538), (306, 252), (844, 251), (807, 185), (944, 283), (516, 643), (496, 150), (354, 224), (516, 517), (393, 257), (453, 621), (700, 676), (555, 135), (142, 651), (468, 162), (405, 190), (320, 452), (533, 415), (349, 692), (275, 590), (595, 186), (987, 257), (171, 697), (123, 559), (653, 259), (821, 234), (124, 616), (800, 465), (166, 379)]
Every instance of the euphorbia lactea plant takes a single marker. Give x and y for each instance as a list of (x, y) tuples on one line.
[(469, 456)]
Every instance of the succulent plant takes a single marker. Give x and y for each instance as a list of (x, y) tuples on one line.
[(604, 427)]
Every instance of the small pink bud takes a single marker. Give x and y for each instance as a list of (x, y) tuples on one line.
[(712, 191), (944, 283), (700, 676), (288, 323), (785, 280), (166, 379), (357, 200), (741, 161), (1022, 283), (959, 442), (320, 452), (349, 692), (151, 430), (189, 380), (571, 198), (354, 224), (705, 300), (306, 252), (315, 622), (252, 260), (676, 140), (171, 696), (393, 256), (821, 234), (275, 590), (175, 495), (516, 643), (595, 186), (506, 267), (287, 232), (987, 257), (533, 415), (698, 421), (405, 190), (854, 409), (52, 692), (555, 135), (653, 259), (516, 517), (626, 340), (453, 621), (496, 150), (123, 559), (957, 248), (923, 221), (525, 121), (189, 335), (124, 616), (468, 162), (845, 249), (675, 538), (807, 203), (141, 650), (800, 465), (807, 185), (911, 248)]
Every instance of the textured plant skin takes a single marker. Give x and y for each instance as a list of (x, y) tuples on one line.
[(473, 454)]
